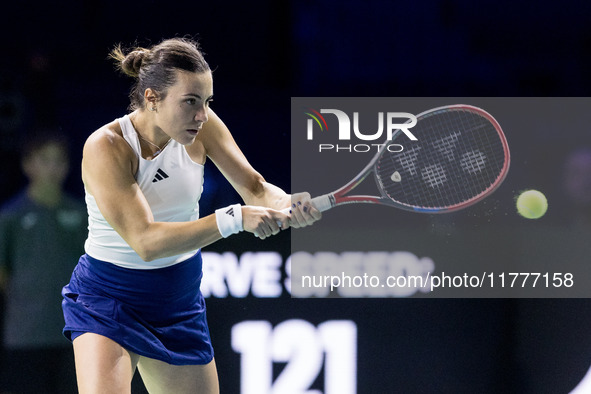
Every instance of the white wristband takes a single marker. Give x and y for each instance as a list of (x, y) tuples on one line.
[(229, 220)]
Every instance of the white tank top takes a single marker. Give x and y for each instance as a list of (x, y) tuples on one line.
[(172, 184)]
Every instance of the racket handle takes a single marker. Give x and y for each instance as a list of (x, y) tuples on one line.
[(322, 203)]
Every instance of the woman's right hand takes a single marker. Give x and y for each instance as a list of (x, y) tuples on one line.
[(263, 222)]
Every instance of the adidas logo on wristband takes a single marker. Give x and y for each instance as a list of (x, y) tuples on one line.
[(229, 220)]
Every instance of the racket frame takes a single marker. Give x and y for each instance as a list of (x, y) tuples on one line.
[(338, 197)]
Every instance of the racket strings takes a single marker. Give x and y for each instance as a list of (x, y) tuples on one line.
[(459, 156)]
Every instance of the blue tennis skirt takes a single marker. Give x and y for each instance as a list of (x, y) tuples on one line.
[(156, 313)]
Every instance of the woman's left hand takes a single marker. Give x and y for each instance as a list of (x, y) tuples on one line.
[(303, 212)]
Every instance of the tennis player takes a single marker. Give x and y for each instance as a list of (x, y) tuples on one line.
[(133, 299)]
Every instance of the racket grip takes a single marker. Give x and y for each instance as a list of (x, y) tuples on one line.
[(322, 203)]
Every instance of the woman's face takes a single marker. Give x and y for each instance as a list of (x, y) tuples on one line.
[(183, 111)]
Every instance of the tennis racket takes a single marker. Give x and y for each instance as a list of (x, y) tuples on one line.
[(460, 157)]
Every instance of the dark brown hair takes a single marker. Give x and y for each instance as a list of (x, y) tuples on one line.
[(155, 67), (40, 138)]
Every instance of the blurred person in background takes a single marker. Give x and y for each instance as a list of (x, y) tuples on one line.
[(42, 233), (577, 183)]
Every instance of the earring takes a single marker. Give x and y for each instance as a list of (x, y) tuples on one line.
[(152, 108)]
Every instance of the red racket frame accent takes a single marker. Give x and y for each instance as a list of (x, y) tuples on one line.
[(338, 197)]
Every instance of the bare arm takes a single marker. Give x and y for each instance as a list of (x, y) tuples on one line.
[(108, 175), (227, 156), (250, 184)]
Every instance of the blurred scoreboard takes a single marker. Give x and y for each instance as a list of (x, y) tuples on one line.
[(265, 341)]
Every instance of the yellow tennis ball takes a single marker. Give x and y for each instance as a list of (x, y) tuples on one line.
[(532, 204)]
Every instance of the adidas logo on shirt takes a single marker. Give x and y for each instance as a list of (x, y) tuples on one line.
[(160, 175)]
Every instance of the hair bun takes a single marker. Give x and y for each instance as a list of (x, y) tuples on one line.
[(132, 63)]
